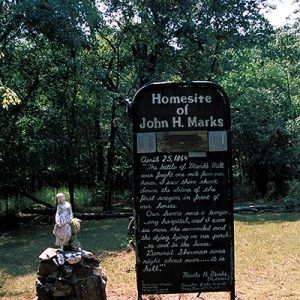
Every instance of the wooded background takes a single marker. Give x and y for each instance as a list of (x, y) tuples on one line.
[(67, 69)]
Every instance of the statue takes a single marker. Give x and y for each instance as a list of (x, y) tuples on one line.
[(66, 227), (69, 272)]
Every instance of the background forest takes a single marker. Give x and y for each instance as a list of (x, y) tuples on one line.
[(67, 69)]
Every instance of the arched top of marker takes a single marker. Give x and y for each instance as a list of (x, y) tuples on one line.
[(181, 106), (185, 84)]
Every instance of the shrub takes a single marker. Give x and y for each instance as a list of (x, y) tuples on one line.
[(292, 200)]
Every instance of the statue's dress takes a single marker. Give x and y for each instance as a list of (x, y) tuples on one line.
[(62, 228)]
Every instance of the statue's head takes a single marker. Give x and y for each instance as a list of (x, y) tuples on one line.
[(60, 197)]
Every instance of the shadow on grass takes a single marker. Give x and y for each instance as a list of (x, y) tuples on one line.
[(261, 218), (20, 250)]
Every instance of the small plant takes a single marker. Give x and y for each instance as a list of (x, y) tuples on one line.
[(292, 200), (244, 193)]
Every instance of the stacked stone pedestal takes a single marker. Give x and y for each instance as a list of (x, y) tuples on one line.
[(70, 275)]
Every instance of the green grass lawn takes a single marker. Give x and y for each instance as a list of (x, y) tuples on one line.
[(267, 258)]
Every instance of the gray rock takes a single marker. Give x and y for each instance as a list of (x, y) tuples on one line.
[(80, 277)]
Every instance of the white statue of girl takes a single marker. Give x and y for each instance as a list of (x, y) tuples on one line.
[(63, 218)]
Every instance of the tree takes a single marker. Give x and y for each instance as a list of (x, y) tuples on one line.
[(53, 31), (184, 39), (264, 88), (74, 63), (148, 41)]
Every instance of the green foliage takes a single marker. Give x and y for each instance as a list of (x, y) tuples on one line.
[(244, 192), (292, 200), (9, 97), (264, 116), (84, 197), (14, 205)]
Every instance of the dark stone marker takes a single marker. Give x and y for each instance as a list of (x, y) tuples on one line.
[(183, 194)]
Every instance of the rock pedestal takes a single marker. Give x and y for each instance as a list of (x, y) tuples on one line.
[(70, 275)]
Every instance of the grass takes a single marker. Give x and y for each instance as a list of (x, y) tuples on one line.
[(267, 258), (19, 252)]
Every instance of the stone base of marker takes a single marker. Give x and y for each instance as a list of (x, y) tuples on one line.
[(75, 275)]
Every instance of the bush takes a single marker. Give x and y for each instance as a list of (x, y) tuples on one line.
[(292, 200), (243, 193)]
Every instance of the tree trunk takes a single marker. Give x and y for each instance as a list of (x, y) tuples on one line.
[(71, 187), (99, 163), (71, 132), (107, 204)]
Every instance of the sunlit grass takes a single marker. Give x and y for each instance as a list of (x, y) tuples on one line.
[(267, 258)]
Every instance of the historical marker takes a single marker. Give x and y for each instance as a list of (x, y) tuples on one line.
[(183, 195)]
